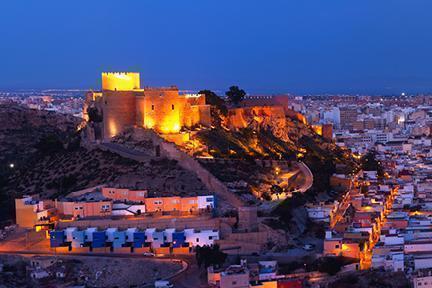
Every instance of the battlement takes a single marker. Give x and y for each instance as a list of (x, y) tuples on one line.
[(168, 88), (120, 81)]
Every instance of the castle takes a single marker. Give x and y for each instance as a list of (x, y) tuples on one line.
[(122, 103)]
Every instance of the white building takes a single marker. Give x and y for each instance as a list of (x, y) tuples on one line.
[(201, 237)]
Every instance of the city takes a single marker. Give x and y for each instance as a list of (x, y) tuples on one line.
[(129, 180)]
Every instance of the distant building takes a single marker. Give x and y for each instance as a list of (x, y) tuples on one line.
[(422, 279), (348, 116)]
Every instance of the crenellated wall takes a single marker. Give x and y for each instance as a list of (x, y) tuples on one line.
[(120, 81), (124, 104)]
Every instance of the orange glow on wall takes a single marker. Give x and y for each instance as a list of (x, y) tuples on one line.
[(149, 123), (112, 128), (317, 129)]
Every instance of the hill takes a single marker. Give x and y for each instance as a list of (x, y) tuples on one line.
[(48, 160)]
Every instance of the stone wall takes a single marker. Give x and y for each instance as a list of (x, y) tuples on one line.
[(118, 112), (209, 180), (170, 151)]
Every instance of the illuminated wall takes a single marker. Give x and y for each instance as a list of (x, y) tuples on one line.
[(325, 130), (118, 111), (317, 129), (242, 117), (163, 109), (124, 104), (120, 81), (90, 98)]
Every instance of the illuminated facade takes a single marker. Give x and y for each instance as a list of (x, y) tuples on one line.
[(123, 103)]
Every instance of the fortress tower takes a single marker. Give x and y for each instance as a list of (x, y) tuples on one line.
[(119, 91), (124, 104), (121, 81)]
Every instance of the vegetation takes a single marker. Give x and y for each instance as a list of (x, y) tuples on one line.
[(49, 144), (370, 163), (246, 144), (214, 100), (94, 115), (210, 256), (372, 279), (218, 108), (330, 265), (235, 95), (26, 138)]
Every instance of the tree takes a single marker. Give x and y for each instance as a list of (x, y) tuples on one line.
[(276, 189), (370, 163), (94, 115), (330, 265), (49, 144), (235, 95), (209, 256), (212, 98), (217, 106)]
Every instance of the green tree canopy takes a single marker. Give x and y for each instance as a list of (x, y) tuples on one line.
[(94, 115), (370, 163), (210, 256), (235, 95), (214, 100)]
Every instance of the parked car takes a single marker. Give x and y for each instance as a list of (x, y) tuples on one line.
[(308, 247), (163, 284)]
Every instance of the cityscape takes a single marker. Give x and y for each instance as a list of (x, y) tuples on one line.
[(140, 171)]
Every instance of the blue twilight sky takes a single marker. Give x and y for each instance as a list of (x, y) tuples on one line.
[(298, 46)]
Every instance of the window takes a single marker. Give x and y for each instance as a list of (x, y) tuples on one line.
[(210, 237), (209, 199), (152, 107), (172, 107), (336, 246), (197, 239)]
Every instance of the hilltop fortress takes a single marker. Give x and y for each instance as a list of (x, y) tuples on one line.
[(122, 103)]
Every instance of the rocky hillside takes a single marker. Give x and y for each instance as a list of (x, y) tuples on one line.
[(288, 139), (48, 160), (23, 129), (258, 134)]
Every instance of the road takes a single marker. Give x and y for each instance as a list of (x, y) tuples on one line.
[(308, 176), (188, 277), (193, 277)]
